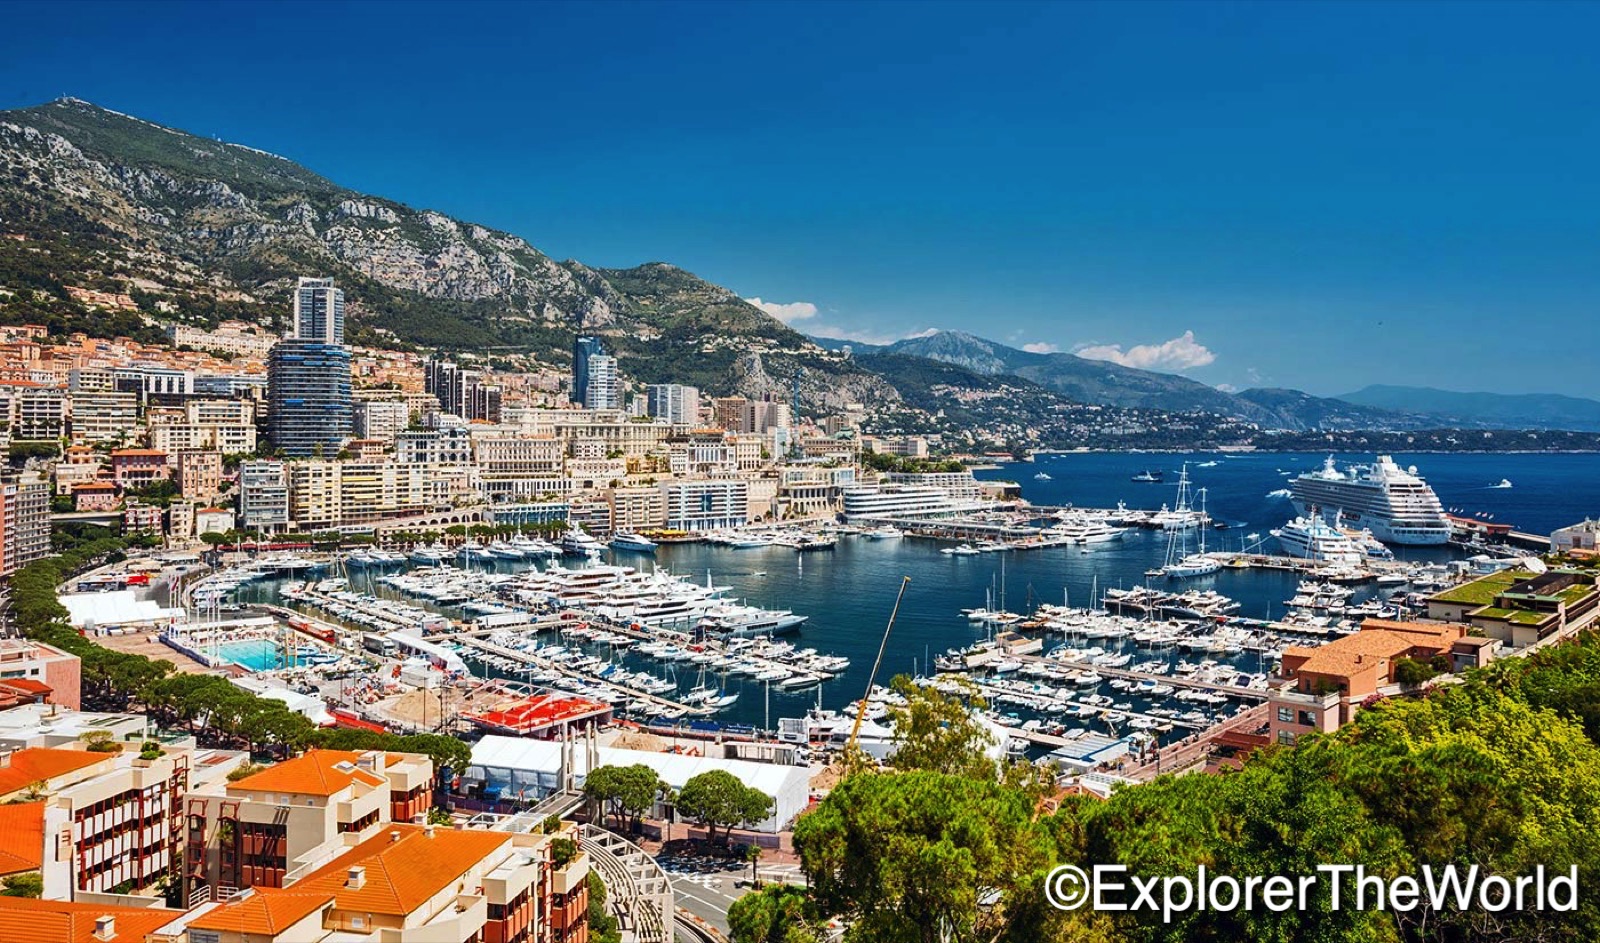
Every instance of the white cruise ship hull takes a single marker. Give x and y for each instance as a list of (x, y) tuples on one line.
[(1393, 503), (1407, 534)]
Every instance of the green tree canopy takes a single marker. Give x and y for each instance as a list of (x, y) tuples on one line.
[(624, 791), (718, 799), (778, 913), (940, 732), (908, 857)]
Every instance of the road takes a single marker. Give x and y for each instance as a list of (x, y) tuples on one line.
[(707, 888)]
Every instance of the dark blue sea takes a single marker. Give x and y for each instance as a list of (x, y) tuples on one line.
[(848, 592)]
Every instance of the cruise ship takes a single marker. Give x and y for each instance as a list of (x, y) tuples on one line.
[(1392, 502), (1312, 538)]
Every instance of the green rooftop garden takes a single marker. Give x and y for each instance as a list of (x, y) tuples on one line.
[(1481, 592), (1572, 594)]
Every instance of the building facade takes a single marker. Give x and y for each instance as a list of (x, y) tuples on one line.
[(318, 311), (308, 398)]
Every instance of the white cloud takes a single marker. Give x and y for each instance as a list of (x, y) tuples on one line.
[(1040, 348), (846, 334), (868, 336), (1180, 353), (1227, 388), (787, 313)]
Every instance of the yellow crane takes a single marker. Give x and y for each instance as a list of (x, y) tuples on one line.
[(861, 712)]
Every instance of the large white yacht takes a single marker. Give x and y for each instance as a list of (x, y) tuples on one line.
[(1084, 529), (1312, 538), (1392, 502)]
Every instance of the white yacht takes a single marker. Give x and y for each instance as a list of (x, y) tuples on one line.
[(577, 543), (731, 620), (1313, 538), (429, 554), (886, 532), (504, 550), (1083, 529), (1393, 502), (628, 540), (472, 550)]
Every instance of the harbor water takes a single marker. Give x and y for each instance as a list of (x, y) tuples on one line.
[(848, 592)]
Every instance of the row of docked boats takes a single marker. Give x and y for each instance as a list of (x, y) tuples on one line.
[(793, 538), (575, 543)]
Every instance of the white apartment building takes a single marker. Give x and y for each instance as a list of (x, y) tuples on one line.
[(41, 414), (451, 445), (706, 504), (230, 337), (505, 457), (702, 457), (673, 402), (381, 419), (264, 495), (331, 494), (188, 437), (900, 501), (223, 425), (101, 416), (637, 508), (959, 486), (604, 390)]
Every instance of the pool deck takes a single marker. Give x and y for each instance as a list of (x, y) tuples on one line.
[(147, 646)]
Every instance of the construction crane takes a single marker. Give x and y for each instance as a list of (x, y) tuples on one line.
[(861, 711)]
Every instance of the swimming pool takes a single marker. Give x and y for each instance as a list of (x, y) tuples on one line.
[(256, 654)]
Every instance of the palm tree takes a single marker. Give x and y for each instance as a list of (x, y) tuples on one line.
[(752, 854)]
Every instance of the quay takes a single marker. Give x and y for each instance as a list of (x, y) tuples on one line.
[(993, 693), (535, 662), (659, 634), (1177, 681)]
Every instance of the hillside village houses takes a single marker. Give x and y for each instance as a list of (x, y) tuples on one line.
[(177, 441)]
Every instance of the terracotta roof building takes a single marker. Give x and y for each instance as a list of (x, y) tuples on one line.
[(254, 832), (413, 883), (56, 921), (1329, 682)]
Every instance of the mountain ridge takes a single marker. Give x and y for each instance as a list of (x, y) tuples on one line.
[(1098, 381), (214, 230), (1526, 410), (197, 230)]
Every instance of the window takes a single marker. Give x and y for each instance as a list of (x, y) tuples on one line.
[(1285, 715), (1286, 737), (1308, 718)]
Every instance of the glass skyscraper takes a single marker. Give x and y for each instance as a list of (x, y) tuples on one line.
[(308, 397), (318, 311), (309, 409), (582, 349)]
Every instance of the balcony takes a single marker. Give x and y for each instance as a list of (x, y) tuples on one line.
[(1322, 702), (571, 877)]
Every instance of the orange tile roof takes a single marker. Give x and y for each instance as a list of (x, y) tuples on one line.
[(23, 920), (267, 911), (402, 873), (26, 686), (1376, 641), (39, 764), (23, 826), (147, 452), (313, 773)]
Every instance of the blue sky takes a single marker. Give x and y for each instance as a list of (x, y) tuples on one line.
[(1255, 194)]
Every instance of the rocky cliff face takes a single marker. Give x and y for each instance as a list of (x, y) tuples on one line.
[(187, 215)]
